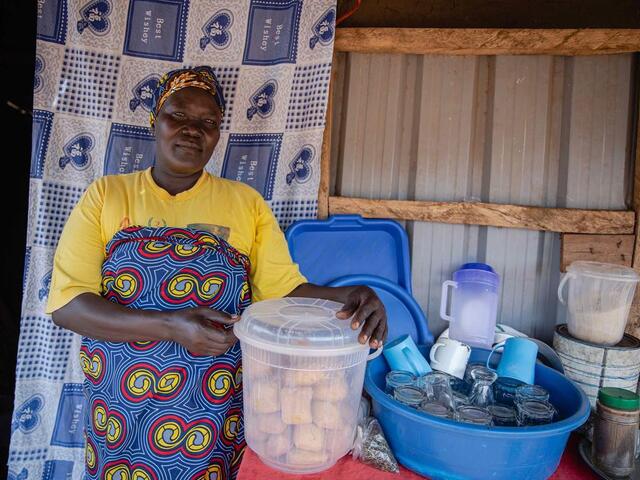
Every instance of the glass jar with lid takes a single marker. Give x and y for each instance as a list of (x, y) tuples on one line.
[(614, 431)]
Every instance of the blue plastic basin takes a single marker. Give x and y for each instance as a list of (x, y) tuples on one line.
[(440, 448)]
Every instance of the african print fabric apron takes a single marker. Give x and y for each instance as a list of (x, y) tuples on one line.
[(156, 411)]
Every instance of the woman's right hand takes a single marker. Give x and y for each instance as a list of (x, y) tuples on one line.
[(202, 331)]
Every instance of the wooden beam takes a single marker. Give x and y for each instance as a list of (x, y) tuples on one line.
[(325, 156), (488, 41), (616, 249), (564, 220)]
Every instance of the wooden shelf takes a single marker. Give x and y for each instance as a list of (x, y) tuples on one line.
[(563, 220), (487, 41)]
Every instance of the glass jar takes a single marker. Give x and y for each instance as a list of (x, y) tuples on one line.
[(482, 388), (398, 378), (614, 431), (410, 396), (458, 385), (531, 392), (467, 375), (534, 412), (503, 416), (504, 390), (474, 415), (459, 399), (436, 409), (437, 388)]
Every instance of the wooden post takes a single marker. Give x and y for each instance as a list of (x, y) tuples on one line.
[(633, 324), (616, 249), (325, 159)]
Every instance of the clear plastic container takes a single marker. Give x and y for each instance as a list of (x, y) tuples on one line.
[(599, 299), (303, 371)]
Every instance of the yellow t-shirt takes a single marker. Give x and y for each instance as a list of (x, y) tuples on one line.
[(227, 208)]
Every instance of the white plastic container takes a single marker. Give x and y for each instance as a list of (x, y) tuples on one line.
[(303, 371), (599, 299)]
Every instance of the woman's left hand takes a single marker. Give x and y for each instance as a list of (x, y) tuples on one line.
[(366, 308)]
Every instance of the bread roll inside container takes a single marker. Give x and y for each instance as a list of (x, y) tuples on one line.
[(303, 371)]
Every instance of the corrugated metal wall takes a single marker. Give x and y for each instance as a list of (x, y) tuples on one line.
[(529, 130)]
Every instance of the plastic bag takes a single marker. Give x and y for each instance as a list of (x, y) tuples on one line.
[(371, 448)]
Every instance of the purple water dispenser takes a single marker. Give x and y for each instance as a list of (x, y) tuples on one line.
[(474, 304)]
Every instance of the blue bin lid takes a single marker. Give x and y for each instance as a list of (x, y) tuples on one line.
[(350, 245), (404, 315)]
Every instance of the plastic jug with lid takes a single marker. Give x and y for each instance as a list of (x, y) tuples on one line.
[(599, 299), (474, 304)]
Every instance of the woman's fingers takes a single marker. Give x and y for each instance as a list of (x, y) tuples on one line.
[(370, 326), (348, 309), (379, 335), (217, 316), (219, 341)]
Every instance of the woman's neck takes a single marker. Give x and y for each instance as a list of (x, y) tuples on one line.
[(174, 184)]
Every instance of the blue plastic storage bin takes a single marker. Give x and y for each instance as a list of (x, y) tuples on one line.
[(350, 245), (444, 449)]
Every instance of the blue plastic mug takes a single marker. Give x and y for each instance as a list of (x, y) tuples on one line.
[(403, 354), (518, 359)]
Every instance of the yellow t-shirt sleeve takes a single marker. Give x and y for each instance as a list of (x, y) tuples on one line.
[(80, 253), (273, 273)]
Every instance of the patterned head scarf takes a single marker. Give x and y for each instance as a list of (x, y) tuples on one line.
[(199, 77)]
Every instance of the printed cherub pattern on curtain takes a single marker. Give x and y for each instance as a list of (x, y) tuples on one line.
[(97, 62)]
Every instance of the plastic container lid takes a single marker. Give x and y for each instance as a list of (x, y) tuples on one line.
[(605, 271), (477, 273), (619, 398), (298, 326), (477, 266)]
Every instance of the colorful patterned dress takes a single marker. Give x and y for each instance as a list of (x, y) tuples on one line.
[(156, 411)]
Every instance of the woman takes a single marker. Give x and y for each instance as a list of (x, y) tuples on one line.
[(153, 269)]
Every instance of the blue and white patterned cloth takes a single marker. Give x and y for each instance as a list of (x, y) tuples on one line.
[(97, 64)]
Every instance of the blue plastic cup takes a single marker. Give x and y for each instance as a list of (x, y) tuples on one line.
[(403, 354), (518, 359)]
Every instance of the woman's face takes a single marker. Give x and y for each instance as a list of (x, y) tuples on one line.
[(187, 130)]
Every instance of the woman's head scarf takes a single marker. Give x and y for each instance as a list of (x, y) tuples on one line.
[(199, 77)]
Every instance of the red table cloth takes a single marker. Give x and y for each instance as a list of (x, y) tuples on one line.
[(571, 468)]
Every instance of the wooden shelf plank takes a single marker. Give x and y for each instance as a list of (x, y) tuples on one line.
[(616, 249), (563, 220), (487, 41)]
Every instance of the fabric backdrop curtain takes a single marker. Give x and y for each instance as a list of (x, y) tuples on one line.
[(97, 63)]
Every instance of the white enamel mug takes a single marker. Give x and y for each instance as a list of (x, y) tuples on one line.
[(450, 356)]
